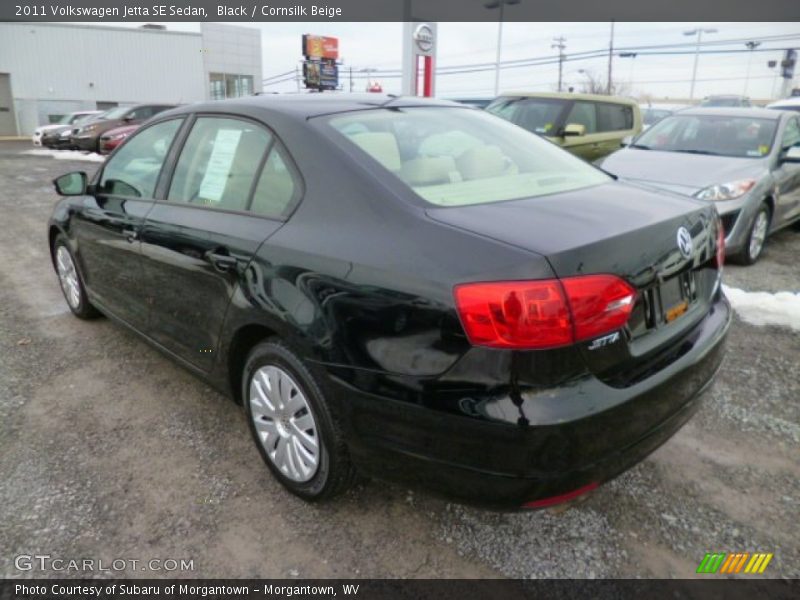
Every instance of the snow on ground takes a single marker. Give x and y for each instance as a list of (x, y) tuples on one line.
[(67, 155), (764, 308)]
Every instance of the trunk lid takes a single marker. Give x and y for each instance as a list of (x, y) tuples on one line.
[(623, 229)]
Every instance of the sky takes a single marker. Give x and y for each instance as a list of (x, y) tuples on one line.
[(379, 45)]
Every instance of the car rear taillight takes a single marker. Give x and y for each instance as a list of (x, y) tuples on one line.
[(720, 257), (543, 313)]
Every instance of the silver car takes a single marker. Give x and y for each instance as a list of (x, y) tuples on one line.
[(745, 160)]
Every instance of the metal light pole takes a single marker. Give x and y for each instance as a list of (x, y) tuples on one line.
[(491, 5), (750, 46), (699, 33)]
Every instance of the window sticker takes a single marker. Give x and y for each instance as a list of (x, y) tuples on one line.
[(219, 165)]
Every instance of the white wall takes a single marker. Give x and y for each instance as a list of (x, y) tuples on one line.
[(72, 67), (233, 50)]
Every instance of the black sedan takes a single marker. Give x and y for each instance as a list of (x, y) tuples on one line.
[(404, 288)]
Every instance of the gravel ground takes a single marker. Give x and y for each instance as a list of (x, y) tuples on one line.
[(108, 450)]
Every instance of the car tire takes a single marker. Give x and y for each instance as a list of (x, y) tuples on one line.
[(292, 423), (756, 236), (71, 281)]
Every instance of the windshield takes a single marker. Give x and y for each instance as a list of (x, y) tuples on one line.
[(720, 135), (117, 113), (87, 118), (652, 115), (460, 156), (539, 115)]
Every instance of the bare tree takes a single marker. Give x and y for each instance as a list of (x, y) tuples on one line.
[(594, 84)]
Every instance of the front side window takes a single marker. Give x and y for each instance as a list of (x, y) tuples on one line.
[(791, 135), (460, 156), (584, 113), (219, 163), (133, 171), (537, 115), (720, 135)]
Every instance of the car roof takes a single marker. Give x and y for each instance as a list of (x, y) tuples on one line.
[(794, 101), (738, 97), (756, 113), (313, 105), (570, 96)]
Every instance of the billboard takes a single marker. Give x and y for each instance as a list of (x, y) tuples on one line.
[(321, 74), (320, 46)]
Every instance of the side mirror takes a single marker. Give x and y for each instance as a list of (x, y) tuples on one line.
[(791, 155), (127, 118), (626, 141), (71, 184), (574, 130)]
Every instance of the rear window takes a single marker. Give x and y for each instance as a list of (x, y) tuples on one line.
[(458, 156)]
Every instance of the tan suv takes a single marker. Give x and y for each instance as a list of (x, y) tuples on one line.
[(588, 125)]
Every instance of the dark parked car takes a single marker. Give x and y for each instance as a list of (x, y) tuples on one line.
[(405, 288), (114, 137), (746, 161), (88, 136)]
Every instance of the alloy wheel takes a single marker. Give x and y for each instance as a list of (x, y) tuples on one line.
[(68, 276), (758, 234), (284, 422)]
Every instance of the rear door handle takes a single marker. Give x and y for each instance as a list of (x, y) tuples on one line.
[(221, 259), (131, 235)]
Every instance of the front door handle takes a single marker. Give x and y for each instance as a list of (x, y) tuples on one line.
[(221, 259), (131, 235)]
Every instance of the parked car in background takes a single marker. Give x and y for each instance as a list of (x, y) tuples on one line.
[(476, 102), (404, 287), (652, 113), (588, 125), (88, 136), (114, 137), (65, 121), (726, 101), (746, 161), (58, 137), (786, 104)]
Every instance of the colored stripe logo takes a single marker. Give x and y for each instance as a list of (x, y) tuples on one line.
[(735, 562)]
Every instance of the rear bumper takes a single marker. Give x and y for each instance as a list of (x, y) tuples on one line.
[(550, 442)]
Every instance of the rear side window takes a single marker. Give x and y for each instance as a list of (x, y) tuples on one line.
[(133, 171), (614, 117), (277, 186), (219, 163)]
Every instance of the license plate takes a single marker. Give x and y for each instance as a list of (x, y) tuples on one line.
[(674, 302)]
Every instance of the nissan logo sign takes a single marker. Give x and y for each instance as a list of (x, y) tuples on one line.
[(685, 242), (423, 37)]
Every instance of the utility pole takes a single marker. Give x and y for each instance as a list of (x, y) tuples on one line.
[(699, 33), (750, 46), (491, 5), (559, 43), (351, 80), (610, 59)]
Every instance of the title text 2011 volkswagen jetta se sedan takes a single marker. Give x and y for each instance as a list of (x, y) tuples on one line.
[(409, 289)]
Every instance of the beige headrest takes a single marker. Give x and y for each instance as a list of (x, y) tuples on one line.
[(429, 170), (381, 146), (481, 162)]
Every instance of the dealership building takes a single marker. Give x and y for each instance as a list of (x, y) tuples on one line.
[(48, 70)]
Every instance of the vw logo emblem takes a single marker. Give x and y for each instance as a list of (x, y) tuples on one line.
[(685, 242)]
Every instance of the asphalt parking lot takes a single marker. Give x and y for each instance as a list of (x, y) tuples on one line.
[(109, 450)]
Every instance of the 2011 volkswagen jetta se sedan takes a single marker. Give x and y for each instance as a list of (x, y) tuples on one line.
[(405, 288)]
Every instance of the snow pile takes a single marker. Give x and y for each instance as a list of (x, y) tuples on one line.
[(763, 308), (67, 155)]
